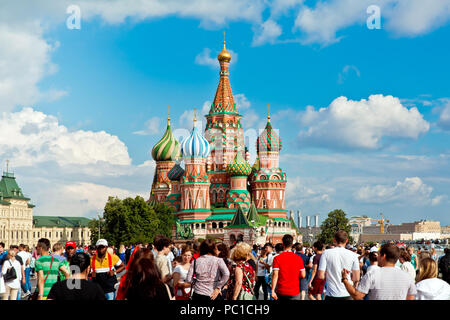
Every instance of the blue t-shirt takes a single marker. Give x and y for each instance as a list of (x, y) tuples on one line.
[(2, 257), (304, 257)]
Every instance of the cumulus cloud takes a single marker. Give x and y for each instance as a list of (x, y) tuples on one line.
[(444, 118), (360, 124), (321, 23), (28, 137), (410, 190), (299, 192), (241, 101), (268, 32)]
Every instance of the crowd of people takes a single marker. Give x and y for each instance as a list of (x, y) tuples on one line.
[(209, 271)]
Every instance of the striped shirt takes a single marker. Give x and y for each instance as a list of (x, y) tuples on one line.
[(387, 283), (43, 263), (212, 273)]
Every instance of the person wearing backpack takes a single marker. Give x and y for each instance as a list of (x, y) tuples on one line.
[(12, 276), (105, 266)]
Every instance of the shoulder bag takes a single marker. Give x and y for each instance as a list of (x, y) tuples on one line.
[(10, 273), (244, 295), (35, 294)]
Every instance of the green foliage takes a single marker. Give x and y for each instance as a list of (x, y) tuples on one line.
[(132, 220), (336, 220)]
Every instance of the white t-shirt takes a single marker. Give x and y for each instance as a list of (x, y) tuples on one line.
[(261, 267), (269, 260), (183, 274), (333, 261), (25, 256), (13, 284), (409, 269), (433, 289), (387, 283)]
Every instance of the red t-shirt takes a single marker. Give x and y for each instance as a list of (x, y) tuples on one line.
[(289, 266)]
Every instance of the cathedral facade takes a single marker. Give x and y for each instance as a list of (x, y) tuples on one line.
[(218, 194)]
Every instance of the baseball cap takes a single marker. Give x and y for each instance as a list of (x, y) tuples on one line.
[(374, 249), (71, 244), (102, 242)]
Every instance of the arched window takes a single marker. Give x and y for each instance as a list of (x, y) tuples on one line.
[(214, 225), (203, 226), (240, 237), (264, 204), (220, 225), (197, 226), (232, 238)]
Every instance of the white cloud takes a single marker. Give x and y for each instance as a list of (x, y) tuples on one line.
[(444, 118), (360, 124), (28, 137), (204, 58), (151, 127), (320, 24), (268, 32), (24, 61), (241, 101), (300, 192), (411, 190)]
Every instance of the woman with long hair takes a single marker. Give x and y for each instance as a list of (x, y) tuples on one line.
[(224, 254), (145, 282), (208, 273), (182, 288), (428, 286)]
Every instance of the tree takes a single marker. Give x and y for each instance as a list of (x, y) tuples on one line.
[(336, 220), (132, 220)]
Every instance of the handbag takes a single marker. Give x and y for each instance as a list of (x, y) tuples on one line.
[(184, 295), (194, 280), (10, 273), (168, 292), (35, 294), (244, 295)]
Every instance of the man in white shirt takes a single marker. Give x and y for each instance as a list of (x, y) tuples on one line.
[(26, 259), (385, 283), (331, 264)]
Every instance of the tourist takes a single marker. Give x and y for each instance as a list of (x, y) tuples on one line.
[(444, 265), (181, 287), (243, 274), (163, 264), (268, 247), (57, 253), (406, 265), (146, 283), (414, 258), (105, 266), (12, 285), (261, 270), (288, 268), (77, 287), (373, 260), (91, 250), (3, 253), (224, 253), (122, 253), (331, 264), (385, 283), (315, 284), (47, 269), (428, 286), (208, 273), (434, 255), (307, 262), (26, 258), (70, 250)]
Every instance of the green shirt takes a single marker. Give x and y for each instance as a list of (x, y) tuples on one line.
[(43, 263)]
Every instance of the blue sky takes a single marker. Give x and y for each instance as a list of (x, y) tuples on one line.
[(364, 115)]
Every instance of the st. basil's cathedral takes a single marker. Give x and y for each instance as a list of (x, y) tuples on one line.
[(219, 194)]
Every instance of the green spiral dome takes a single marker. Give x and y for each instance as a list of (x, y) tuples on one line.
[(168, 148)]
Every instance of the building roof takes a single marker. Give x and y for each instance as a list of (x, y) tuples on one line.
[(9, 189), (195, 145), (168, 148), (175, 173), (61, 222), (214, 217), (268, 140), (239, 220), (253, 216), (239, 167)]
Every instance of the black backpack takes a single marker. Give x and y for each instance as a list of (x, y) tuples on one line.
[(10, 273)]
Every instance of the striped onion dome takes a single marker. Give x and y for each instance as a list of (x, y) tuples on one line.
[(195, 145), (239, 167), (175, 173), (168, 148), (268, 141)]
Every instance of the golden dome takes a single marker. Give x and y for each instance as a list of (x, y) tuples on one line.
[(224, 55)]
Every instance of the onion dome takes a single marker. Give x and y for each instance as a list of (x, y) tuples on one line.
[(168, 148), (175, 173), (224, 55), (239, 167), (268, 141), (195, 145)]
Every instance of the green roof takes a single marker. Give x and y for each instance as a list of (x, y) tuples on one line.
[(192, 221), (51, 221), (220, 217), (252, 215), (9, 189), (239, 220), (281, 219)]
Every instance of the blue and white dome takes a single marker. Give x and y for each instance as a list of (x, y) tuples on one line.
[(195, 145)]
